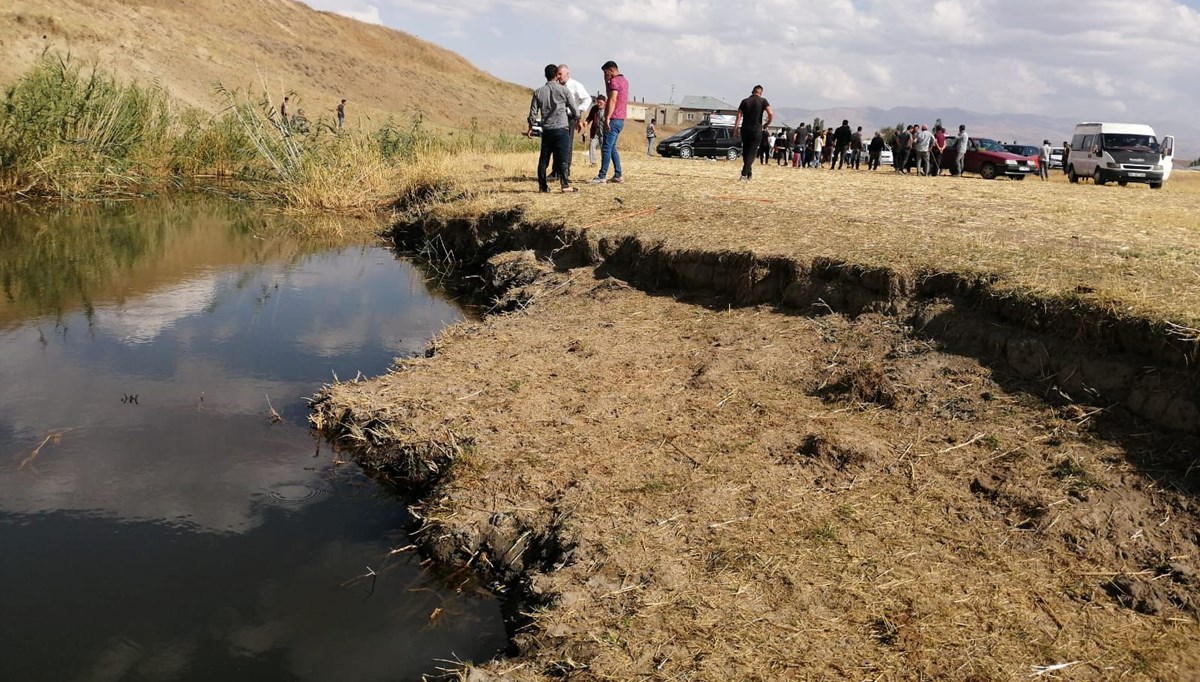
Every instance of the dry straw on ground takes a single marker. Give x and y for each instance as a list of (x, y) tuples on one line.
[(748, 495), (716, 493), (1130, 249)]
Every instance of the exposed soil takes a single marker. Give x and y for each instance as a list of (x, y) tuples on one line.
[(674, 488)]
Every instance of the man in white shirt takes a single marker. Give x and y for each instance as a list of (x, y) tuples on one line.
[(581, 100)]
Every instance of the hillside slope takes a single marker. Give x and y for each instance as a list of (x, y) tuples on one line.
[(189, 45)]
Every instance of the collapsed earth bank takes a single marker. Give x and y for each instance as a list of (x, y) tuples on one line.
[(727, 466)]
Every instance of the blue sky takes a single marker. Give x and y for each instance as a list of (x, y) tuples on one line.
[(1086, 59)]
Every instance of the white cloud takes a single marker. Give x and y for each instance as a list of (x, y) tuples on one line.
[(369, 15), (1076, 59)]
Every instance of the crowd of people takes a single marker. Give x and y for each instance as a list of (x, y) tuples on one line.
[(563, 107)]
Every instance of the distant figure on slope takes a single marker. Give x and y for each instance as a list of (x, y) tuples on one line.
[(284, 112), (650, 135), (595, 130), (552, 105), (616, 87), (341, 113), (750, 123)]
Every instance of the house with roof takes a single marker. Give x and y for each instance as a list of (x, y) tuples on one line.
[(693, 110)]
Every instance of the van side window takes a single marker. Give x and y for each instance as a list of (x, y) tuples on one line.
[(1086, 144), (1077, 141)]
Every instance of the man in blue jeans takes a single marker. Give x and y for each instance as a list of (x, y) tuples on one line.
[(553, 105), (614, 122)]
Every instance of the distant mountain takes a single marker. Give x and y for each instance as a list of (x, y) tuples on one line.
[(1022, 128)]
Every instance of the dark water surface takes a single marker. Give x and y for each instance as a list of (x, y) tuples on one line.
[(182, 535)]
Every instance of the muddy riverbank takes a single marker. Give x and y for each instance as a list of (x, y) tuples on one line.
[(719, 466)]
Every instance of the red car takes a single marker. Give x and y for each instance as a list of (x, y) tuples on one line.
[(988, 159)]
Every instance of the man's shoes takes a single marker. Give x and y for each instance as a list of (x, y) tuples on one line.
[(616, 179), (597, 181)]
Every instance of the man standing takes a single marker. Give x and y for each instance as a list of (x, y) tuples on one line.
[(284, 111), (874, 151), (1044, 160), (921, 143), (938, 150), (750, 121), (649, 136), (903, 146), (960, 150), (552, 104), (841, 142), (595, 130), (617, 89), (341, 113), (581, 100), (856, 148), (798, 151)]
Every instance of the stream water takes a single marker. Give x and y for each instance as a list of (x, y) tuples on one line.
[(155, 523)]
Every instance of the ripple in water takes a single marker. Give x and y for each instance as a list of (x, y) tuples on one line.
[(294, 493)]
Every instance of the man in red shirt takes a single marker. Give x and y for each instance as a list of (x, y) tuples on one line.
[(614, 122)]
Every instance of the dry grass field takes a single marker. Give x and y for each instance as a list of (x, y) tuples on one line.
[(322, 57), (700, 491), (1131, 249)]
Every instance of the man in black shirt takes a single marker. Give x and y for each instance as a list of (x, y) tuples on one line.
[(841, 142), (750, 122)]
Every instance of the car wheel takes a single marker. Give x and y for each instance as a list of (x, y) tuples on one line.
[(1156, 185), (731, 154), (1098, 177), (685, 152), (1072, 176), (1123, 183), (988, 171)]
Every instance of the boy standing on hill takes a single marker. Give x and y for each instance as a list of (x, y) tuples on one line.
[(341, 113), (617, 89), (750, 121), (553, 105)]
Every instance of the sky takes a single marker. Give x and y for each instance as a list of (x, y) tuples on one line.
[(1085, 59)]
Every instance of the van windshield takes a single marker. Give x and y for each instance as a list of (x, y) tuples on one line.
[(1130, 142)]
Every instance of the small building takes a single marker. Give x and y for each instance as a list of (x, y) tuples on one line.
[(691, 111)]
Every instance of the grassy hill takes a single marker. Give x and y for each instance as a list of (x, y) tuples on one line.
[(189, 45)]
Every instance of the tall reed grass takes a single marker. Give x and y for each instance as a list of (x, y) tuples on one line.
[(71, 131)]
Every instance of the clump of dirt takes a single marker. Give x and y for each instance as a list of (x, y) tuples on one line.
[(864, 382), (669, 490)]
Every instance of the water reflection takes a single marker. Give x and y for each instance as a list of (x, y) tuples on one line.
[(150, 514)]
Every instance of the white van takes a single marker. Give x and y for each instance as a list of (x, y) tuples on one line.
[(1122, 152)]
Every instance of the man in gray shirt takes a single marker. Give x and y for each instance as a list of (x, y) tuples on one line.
[(960, 150), (922, 143), (553, 105)]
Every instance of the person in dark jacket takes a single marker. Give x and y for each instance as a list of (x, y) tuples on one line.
[(841, 142), (874, 151)]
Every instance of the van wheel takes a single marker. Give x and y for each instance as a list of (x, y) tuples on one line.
[(685, 152), (1098, 178), (732, 154), (988, 172), (1156, 185), (1072, 176)]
